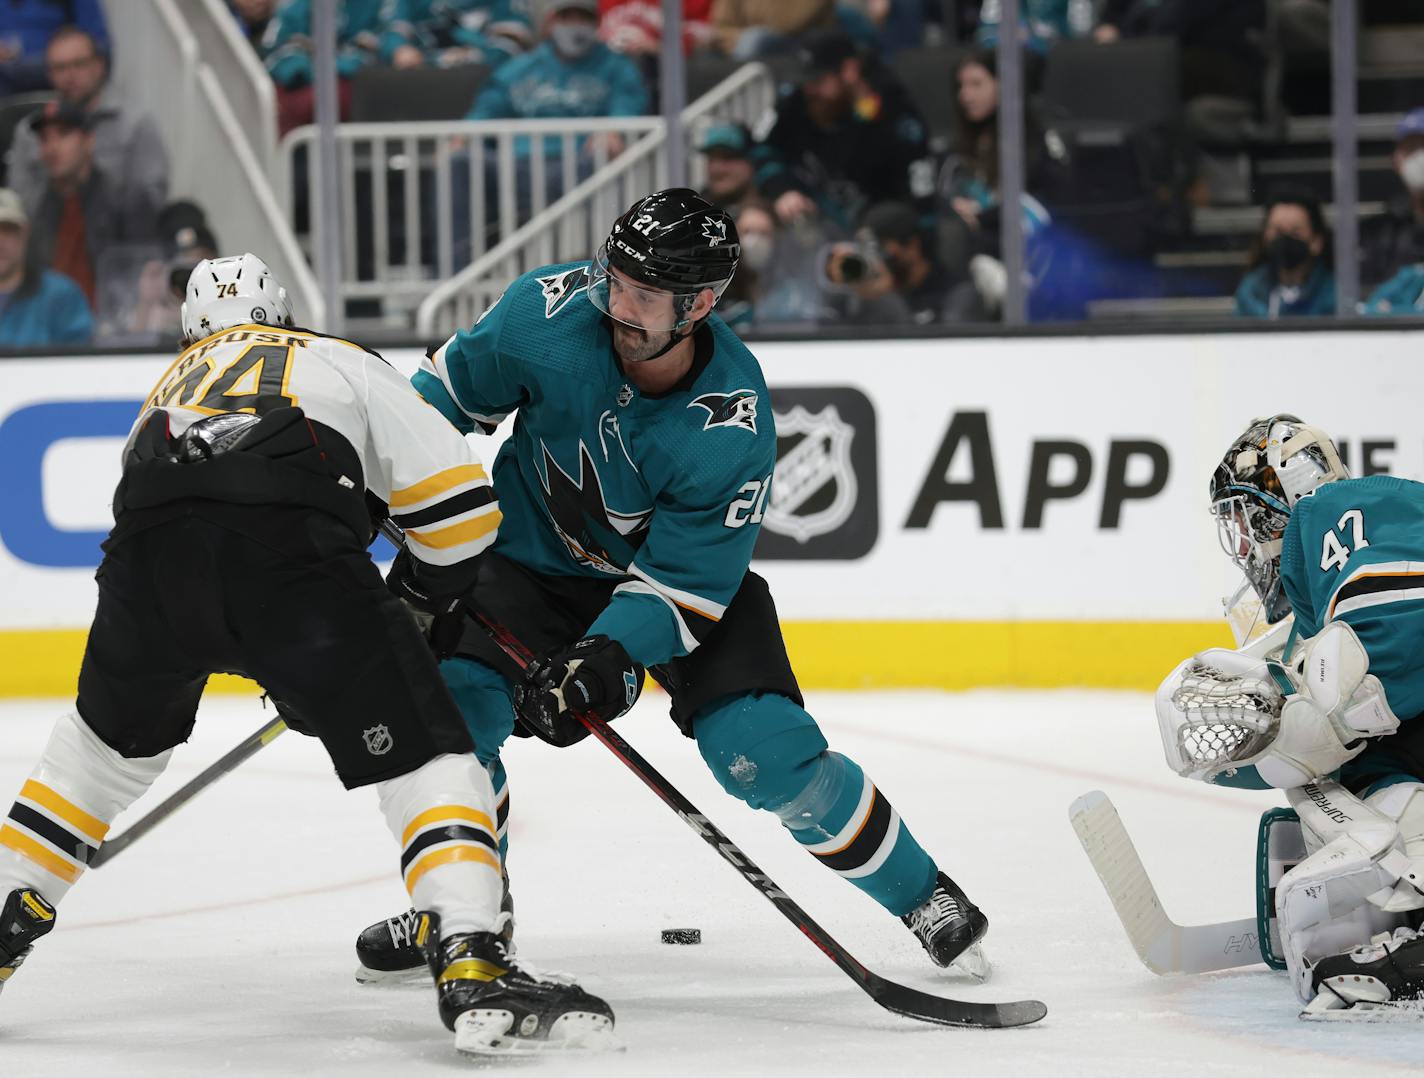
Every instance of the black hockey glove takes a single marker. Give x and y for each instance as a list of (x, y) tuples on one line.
[(441, 617), (595, 674)]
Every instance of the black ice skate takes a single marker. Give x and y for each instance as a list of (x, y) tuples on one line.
[(1372, 979), (25, 917), (495, 1008), (388, 954), (950, 927)]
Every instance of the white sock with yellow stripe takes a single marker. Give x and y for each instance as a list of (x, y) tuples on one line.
[(443, 813), (64, 810)]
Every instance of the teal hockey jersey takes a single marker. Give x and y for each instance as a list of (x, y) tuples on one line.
[(663, 494), (1354, 552)]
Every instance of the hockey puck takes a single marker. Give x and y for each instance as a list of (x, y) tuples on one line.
[(682, 935)]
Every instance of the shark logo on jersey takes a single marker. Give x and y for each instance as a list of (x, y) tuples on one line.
[(735, 409), (714, 230), (583, 519), (814, 489), (559, 288)]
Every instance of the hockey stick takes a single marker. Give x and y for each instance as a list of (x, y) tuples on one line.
[(893, 997), (1164, 946), (226, 763)]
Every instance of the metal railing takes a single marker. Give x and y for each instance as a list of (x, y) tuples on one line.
[(420, 200), (249, 90), (572, 227), (155, 65)]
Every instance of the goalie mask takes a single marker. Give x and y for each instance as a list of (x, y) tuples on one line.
[(1268, 469)]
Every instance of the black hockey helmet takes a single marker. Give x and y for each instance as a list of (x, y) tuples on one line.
[(672, 241)]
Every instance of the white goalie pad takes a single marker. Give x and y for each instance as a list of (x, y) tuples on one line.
[(1355, 883)]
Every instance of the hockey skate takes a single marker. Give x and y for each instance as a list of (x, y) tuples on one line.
[(25, 917), (495, 1008), (1382, 979), (387, 952), (950, 927)]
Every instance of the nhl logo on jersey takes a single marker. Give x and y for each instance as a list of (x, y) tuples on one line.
[(814, 489), (625, 395), (378, 740)]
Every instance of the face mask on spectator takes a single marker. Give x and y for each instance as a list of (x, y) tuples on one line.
[(1411, 170), (756, 250), (573, 40), (1288, 252)]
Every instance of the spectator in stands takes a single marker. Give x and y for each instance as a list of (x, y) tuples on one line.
[(1401, 295), (127, 145), (893, 25), (847, 137), (1041, 22), (1222, 62), (1288, 273), (287, 52), (749, 29), (186, 240), (731, 176), (83, 214), (447, 33), (26, 29), (894, 271), (635, 27), (571, 74), (38, 307), (1396, 239), (253, 17)]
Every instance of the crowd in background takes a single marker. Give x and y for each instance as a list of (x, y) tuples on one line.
[(852, 208)]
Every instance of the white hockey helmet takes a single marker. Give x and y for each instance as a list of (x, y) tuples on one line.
[(234, 291), (1273, 465)]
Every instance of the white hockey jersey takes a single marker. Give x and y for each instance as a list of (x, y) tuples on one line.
[(412, 459)]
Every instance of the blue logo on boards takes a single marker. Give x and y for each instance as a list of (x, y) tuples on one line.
[(25, 437)]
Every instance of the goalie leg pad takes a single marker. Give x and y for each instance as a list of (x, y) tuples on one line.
[(1353, 884)]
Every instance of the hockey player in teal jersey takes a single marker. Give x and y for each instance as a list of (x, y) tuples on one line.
[(1334, 717), (633, 487)]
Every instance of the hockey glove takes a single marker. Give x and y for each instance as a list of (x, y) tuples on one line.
[(440, 616), (595, 674)]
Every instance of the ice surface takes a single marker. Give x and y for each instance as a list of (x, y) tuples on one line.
[(223, 940)]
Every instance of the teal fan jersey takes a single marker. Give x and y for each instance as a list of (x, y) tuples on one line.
[(1354, 552), (663, 494)]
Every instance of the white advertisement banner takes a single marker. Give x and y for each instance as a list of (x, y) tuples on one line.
[(977, 480)]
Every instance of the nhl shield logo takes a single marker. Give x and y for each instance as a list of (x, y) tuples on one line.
[(378, 740), (814, 489)]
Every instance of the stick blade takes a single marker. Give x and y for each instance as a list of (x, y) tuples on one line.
[(912, 1003)]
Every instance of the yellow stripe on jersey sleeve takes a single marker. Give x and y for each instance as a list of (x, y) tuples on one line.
[(455, 534), (437, 484)]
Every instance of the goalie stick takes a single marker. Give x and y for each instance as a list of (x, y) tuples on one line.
[(1164, 946), (225, 764), (898, 998)]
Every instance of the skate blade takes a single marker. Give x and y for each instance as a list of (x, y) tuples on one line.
[(487, 1034), (1367, 1013), (393, 978), (973, 963)]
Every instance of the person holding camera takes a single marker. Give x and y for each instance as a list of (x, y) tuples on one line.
[(891, 273)]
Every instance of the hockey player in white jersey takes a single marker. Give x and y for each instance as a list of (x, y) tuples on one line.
[(239, 545)]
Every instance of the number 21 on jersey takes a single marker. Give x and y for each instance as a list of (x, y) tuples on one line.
[(1334, 553)]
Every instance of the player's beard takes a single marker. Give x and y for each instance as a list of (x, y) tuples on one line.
[(637, 345)]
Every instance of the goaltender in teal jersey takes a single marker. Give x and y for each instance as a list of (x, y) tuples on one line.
[(633, 488)]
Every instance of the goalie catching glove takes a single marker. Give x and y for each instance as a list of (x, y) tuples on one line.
[(1222, 713), (595, 674)]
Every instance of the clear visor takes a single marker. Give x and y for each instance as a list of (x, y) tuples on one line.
[(655, 310), (1250, 534)]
